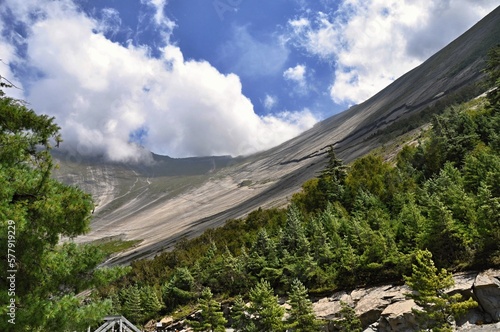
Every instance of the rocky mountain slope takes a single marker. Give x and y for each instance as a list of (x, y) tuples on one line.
[(168, 199)]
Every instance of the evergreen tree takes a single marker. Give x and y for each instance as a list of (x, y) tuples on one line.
[(301, 317), (212, 318), (179, 289), (409, 226), (429, 284), (132, 305), (488, 208), (493, 70), (240, 320), (267, 314), (233, 277), (331, 180), (38, 210), (450, 231), (263, 257), (264, 246), (319, 242), (348, 321), (294, 239), (150, 301)]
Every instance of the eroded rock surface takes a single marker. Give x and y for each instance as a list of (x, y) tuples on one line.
[(386, 308), (487, 291)]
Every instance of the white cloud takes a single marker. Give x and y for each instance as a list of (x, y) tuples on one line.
[(110, 22), (161, 20), (103, 93), (270, 102), (299, 24), (8, 56), (296, 74), (374, 42)]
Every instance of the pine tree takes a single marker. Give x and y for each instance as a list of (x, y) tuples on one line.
[(212, 318), (331, 180), (301, 317), (40, 210), (493, 70), (348, 321), (267, 313), (294, 239), (428, 285), (150, 301), (132, 305), (179, 289), (240, 320)]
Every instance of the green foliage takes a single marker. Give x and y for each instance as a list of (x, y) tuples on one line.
[(328, 187), (151, 303), (493, 70), (179, 289), (138, 304), (293, 237), (438, 309), (353, 226), (239, 317), (450, 231), (348, 321), (212, 318), (42, 210), (114, 246), (132, 305), (301, 316), (266, 313), (310, 198)]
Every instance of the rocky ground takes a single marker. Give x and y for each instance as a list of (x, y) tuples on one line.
[(385, 308)]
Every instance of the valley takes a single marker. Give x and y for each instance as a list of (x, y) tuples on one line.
[(165, 199)]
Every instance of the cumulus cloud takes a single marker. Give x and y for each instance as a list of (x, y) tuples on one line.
[(296, 74), (105, 95), (374, 42)]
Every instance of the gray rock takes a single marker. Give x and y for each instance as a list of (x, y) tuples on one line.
[(464, 283), (398, 317), (326, 308), (386, 308), (479, 328), (487, 291), (375, 300)]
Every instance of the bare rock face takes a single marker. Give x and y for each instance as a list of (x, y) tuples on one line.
[(487, 292), (386, 309), (398, 317), (370, 306)]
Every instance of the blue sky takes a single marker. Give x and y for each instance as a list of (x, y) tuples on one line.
[(212, 77)]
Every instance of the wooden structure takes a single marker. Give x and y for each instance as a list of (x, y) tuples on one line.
[(117, 324)]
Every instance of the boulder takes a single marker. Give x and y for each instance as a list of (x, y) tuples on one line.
[(328, 308), (398, 317), (464, 283), (487, 291), (386, 308), (374, 301)]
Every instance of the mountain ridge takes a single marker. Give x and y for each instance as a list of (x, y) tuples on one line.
[(175, 198)]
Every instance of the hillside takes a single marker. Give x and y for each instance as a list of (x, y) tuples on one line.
[(169, 199)]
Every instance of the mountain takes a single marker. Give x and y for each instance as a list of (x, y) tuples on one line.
[(168, 199)]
